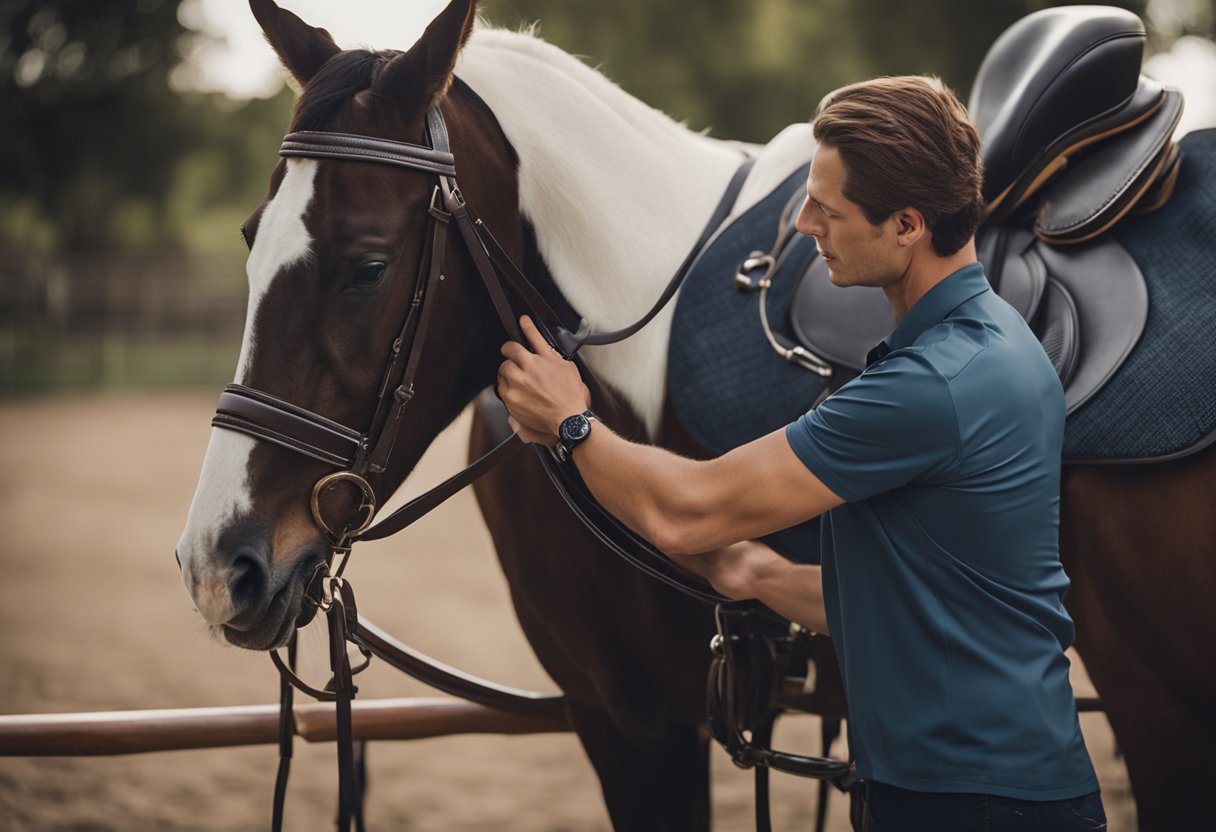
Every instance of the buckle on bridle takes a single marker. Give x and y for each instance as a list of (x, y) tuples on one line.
[(435, 210)]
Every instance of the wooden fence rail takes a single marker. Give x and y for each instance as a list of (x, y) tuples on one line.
[(136, 732)]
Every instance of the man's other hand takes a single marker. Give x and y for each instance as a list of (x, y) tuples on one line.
[(750, 569)]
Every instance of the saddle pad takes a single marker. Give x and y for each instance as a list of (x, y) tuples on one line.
[(726, 383), (728, 386), (1162, 402)]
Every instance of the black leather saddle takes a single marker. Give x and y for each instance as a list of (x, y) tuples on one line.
[(1073, 139), (1061, 90)]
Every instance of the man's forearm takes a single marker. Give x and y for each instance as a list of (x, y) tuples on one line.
[(651, 490), (795, 591)]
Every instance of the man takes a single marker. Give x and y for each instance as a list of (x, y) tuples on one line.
[(936, 472)]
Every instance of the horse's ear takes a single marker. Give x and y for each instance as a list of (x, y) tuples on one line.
[(425, 71), (303, 49)]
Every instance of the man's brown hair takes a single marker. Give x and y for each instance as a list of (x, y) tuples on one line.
[(907, 142)]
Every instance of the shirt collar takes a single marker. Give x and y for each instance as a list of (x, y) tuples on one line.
[(955, 290)]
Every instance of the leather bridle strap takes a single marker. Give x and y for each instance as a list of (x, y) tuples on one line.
[(567, 342), (725, 205), (422, 505), (315, 144), (269, 418), (425, 291)]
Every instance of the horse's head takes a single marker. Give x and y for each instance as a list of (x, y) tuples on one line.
[(337, 249)]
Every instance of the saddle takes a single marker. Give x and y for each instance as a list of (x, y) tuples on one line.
[(1073, 139)]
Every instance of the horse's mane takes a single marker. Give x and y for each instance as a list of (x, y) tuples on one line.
[(615, 190)]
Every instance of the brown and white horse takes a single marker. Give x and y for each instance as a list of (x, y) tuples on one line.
[(598, 197)]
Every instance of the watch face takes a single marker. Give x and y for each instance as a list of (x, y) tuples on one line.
[(575, 428)]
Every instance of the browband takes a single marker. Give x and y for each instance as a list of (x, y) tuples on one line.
[(315, 144)]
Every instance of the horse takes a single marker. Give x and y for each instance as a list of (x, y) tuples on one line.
[(598, 197)]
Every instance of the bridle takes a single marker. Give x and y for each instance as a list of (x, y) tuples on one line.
[(356, 454)]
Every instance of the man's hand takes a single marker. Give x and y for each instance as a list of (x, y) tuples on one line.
[(539, 387), (750, 569), (731, 570)]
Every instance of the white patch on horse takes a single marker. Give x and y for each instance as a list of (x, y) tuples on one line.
[(785, 153), (282, 239), (616, 191), (223, 485)]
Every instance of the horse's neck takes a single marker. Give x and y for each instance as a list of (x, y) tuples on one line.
[(616, 192)]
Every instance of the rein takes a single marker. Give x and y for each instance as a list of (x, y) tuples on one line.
[(358, 454)]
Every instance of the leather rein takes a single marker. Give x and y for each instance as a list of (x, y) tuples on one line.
[(357, 454)]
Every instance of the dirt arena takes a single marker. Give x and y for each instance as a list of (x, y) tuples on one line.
[(93, 617)]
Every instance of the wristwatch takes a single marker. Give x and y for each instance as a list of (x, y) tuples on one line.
[(571, 433)]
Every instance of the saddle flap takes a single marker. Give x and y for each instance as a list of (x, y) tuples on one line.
[(1111, 299), (1053, 81), (1014, 271), (839, 325), (1101, 186), (1058, 329), (1087, 305)]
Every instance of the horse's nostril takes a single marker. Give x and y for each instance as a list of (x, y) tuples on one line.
[(177, 558), (248, 581)]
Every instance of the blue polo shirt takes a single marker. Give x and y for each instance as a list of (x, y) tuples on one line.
[(941, 572)]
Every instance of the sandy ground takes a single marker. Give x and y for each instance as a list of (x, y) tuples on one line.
[(93, 617)]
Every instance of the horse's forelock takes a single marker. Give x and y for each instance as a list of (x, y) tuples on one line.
[(335, 84)]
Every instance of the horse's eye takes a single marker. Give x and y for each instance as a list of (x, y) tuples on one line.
[(368, 275)]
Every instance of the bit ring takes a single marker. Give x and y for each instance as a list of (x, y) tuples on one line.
[(363, 514)]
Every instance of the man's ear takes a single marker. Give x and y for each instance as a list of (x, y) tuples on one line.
[(910, 226), (303, 49), (425, 71)]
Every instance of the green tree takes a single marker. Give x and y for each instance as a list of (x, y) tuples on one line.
[(92, 128), (746, 68)]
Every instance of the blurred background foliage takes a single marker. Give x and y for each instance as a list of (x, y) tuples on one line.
[(121, 195)]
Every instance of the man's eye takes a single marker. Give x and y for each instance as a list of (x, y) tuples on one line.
[(368, 275)]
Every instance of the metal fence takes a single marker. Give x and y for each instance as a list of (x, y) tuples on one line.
[(106, 319)]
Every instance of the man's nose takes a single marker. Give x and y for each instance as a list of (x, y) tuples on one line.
[(805, 223)]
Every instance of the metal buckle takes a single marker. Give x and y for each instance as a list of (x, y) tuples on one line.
[(434, 210)]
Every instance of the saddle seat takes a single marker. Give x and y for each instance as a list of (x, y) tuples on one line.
[(1055, 83)]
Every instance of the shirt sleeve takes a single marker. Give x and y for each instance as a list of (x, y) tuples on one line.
[(892, 425)]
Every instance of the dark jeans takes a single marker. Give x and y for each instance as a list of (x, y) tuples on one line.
[(889, 809)]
